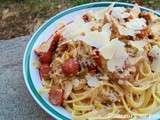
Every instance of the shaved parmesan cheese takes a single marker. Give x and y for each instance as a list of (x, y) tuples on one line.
[(125, 31), (75, 29), (108, 52), (92, 24), (92, 81), (155, 53), (138, 44), (132, 27), (107, 28), (98, 39), (75, 82), (156, 28), (93, 38), (115, 53), (136, 24), (99, 15), (110, 49), (118, 61), (139, 54), (135, 11), (119, 13)]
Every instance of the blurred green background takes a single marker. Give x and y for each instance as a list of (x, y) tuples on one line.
[(22, 17)]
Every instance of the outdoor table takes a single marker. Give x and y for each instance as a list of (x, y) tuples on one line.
[(16, 102)]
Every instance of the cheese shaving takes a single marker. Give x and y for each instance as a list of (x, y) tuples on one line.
[(119, 13), (136, 24), (115, 53), (98, 39), (155, 53), (99, 15), (132, 27), (138, 44), (92, 81), (75, 29), (75, 82), (135, 11)]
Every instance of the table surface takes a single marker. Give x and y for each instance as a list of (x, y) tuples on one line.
[(15, 101)]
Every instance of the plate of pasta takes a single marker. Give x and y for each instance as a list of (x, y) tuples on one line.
[(97, 61)]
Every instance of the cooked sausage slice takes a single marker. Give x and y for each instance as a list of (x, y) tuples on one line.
[(56, 96), (71, 67), (45, 57), (45, 50), (55, 41), (44, 70)]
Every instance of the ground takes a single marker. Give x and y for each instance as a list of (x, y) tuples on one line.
[(22, 17)]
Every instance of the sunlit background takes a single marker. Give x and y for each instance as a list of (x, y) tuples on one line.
[(22, 17)]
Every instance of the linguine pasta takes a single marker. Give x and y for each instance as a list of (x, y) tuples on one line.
[(104, 65)]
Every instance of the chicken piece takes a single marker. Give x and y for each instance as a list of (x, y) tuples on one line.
[(127, 74), (67, 89)]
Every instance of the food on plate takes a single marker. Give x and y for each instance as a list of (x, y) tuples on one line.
[(104, 64)]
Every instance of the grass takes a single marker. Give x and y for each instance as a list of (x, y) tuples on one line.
[(22, 17)]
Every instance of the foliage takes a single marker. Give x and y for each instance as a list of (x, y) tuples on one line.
[(22, 17)]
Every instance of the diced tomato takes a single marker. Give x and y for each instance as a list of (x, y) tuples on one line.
[(71, 67), (63, 47), (97, 60), (45, 57), (85, 18), (56, 96), (92, 69), (44, 70), (143, 34), (146, 16), (96, 57)]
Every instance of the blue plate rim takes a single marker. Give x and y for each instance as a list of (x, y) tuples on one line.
[(26, 57)]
